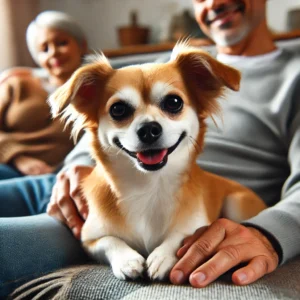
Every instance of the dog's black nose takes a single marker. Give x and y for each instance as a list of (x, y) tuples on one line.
[(149, 132)]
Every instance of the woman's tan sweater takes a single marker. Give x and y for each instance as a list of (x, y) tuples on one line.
[(26, 126)]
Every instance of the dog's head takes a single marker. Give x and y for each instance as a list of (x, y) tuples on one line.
[(151, 113)]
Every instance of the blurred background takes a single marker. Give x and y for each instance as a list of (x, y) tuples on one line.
[(111, 24)]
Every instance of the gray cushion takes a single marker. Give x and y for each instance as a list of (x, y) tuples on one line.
[(98, 282)]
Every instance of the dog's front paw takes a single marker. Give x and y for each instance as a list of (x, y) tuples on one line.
[(160, 262), (128, 265)]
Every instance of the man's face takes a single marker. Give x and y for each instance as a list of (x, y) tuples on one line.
[(228, 22)]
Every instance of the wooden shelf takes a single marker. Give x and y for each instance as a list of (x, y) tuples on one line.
[(287, 35), (152, 48)]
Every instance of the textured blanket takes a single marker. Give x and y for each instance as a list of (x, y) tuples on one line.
[(97, 282)]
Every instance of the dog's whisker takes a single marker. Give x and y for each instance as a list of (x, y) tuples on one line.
[(199, 146), (106, 147), (194, 143), (188, 146), (170, 82), (119, 151)]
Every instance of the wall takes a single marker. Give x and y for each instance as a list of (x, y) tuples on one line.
[(100, 17), (277, 12)]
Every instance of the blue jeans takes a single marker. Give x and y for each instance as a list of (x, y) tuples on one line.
[(8, 172), (31, 242)]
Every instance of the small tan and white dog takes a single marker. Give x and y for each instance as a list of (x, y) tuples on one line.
[(147, 125)]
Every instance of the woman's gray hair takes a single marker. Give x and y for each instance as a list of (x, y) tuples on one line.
[(54, 20)]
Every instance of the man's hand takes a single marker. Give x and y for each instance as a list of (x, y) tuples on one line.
[(28, 165), (67, 203), (211, 251)]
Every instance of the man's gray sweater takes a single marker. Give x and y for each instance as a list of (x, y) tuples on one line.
[(257, 143)]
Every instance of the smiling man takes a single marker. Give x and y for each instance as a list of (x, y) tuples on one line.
[(257, 143), (237, 27)]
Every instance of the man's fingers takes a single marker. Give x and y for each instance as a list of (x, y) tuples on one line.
[(76, 195), (54, 211), (257, 268), (75, 223), (221, 262), (224, 245), (80, 201), (67, 207), (187, 242), (67, 203), (52, 208), (202, 249), (182, 251), (81, 205)]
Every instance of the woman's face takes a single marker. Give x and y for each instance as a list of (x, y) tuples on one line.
[(59, 53)]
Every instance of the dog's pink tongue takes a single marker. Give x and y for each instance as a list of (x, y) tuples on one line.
[(152, 159)]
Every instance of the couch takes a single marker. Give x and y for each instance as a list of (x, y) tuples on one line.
[(97, 282)]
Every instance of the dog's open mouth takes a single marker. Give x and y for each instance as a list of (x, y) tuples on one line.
[(151, 159)]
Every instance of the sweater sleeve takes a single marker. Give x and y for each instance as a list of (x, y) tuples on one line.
[(31, 143), (6, 90), (25, 124), (282, 221), (80, 155), (5, 97)]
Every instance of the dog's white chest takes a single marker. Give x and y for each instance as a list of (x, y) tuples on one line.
[(149, 211)]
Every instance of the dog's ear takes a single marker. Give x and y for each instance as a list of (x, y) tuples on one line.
[(78, 101), (205, 77), (82, 91)]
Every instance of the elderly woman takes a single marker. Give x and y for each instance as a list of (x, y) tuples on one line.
[(31, 143)]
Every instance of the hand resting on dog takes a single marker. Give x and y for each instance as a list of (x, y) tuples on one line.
[(67, 203), (215, 249)]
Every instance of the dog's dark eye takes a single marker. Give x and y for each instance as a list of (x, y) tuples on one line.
[(120, 111), (172, 104)]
